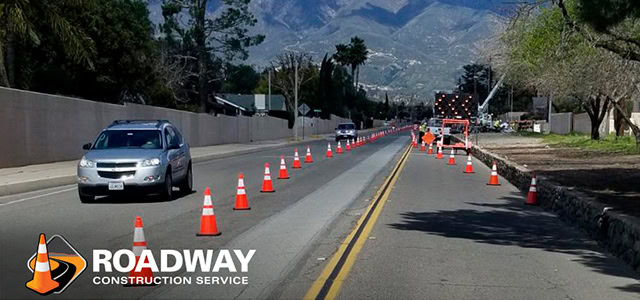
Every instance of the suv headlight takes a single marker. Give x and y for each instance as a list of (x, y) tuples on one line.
[(151, 162), (86, 163)]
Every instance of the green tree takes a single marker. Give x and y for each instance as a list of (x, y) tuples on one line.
[(353, 55), (26, 22), (225, 34), (240, 79)]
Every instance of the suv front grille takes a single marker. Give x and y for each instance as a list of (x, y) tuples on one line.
[(116, 165), (116, 175)]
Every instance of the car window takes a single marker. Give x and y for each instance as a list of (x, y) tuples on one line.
[(128, 139), (178, 136), (346, 126), (171, 136)]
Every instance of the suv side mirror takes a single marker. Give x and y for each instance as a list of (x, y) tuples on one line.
[(86, 146), (336, 128)]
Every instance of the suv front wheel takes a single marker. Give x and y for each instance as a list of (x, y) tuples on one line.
[(187, 183), (167, 190)]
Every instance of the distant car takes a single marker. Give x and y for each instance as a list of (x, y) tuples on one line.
[(135, 156), (346, 131)]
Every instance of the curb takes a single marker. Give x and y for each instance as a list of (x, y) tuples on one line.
[(617, 232), (39, 184)]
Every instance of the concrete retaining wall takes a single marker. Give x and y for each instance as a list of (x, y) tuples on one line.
[(41, 128), (619, 233)]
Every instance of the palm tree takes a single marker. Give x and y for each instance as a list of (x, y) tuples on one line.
[(359, 54), (21, 21)]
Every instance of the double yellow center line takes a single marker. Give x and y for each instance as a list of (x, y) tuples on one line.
[(327, 285)]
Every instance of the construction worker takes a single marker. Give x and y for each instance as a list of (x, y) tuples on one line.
[(423, 129)]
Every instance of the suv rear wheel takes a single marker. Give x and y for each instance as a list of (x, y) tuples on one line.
[(167, 190), (187, 183)]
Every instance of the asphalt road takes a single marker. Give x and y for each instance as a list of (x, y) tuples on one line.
[(282, 225), (447, 235)]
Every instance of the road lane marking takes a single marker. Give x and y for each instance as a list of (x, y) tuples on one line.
[(328, 284), (38, 196)]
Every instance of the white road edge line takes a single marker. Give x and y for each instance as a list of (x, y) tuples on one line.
[(38, 196)]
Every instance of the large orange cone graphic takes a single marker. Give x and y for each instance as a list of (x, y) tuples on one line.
[(145, 275), (532, 196), (283, 169), (208, 226), (339, 148), (469, 168), (241, 195), (493, 180), (308, 159), (42, 283), (452, 158), (267, 184), (329, 152), (296, 160)]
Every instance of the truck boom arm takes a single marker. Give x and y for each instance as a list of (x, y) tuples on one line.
[(484, 106)]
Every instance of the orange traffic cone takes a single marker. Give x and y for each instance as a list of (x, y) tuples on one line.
[(41, 282), (439, 155), (348, 146), (208, 226), (532, 197), (283, 169), (145, 276), (493, 180), (241, 195), (296, 160), (452, 158), (422, 147), (308, 159), (430, 151), (414, 143), (339, 148), (329, 152), (267, 185), (469, 168)]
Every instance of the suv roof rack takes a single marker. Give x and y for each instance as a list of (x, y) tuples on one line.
[(158, 122)]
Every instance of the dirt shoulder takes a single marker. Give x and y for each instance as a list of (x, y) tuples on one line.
[(611, 178)]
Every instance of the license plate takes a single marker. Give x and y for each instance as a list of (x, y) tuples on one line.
[(116, 186)]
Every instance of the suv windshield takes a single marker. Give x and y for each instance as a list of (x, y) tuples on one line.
[(129, 139), (347, 126)]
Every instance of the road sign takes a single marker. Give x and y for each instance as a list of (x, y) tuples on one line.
[(317, 110), (304, 109)]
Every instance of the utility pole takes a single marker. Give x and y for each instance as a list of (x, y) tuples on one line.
[(295, 93), (269, 89)]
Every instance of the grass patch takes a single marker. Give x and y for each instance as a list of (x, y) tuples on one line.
[(608, 143)]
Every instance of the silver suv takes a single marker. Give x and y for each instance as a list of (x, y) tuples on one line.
[(145, 156), (346, 131)]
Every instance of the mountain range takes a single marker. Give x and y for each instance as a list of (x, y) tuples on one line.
[(416, 46)]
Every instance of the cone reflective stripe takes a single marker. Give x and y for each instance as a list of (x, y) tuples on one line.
[(145, 276), (267, 184), (296, 160), (339, 148), (208, 226), (422, 147), (452, 158), (493, 180), (532, 196), (348, 146), (469, 168), (241, 195), (430, 151), (283, 169), (42, 282), (439, 155), (329, 152), (308, 159)]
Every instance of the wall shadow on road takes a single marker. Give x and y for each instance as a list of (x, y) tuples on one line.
[(511, 223)]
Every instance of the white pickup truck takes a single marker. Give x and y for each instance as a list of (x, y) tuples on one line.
[(435, 126)]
